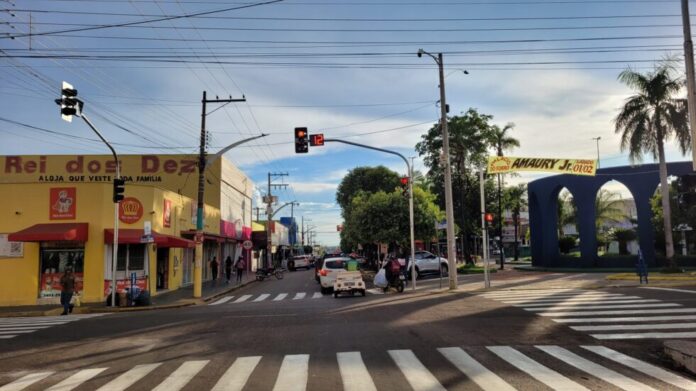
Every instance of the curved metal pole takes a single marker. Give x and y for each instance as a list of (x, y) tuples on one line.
[(409, 172), (221, 152), (283, 206)]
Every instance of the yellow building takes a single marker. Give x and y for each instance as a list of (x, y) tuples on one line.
[(57, 212)]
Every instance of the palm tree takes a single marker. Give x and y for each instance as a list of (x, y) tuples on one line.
[(650, 118), (502, 142), (608, 209), (566, 211), (515, 200)]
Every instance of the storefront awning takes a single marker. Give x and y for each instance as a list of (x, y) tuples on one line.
[(59, 232), (133, 236)]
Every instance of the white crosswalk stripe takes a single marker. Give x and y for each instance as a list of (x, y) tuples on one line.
[(223, 300), (242, 299), (13, 327), (299, 295), (605, 367), (261, 297), (317, 295), (600, 313), (280, 297)]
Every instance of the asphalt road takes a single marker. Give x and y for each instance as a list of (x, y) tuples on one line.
[(283, 335)]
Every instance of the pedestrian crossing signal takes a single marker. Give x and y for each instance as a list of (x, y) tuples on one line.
[(316, 140)]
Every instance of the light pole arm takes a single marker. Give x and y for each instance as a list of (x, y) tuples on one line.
[(408, 166), (221, 152), (113, 152), (277, 210)]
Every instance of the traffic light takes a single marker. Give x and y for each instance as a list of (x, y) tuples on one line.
[(489, 218), (404, 185), (68, 102), (119, 188), (301, 140), (316, 140)]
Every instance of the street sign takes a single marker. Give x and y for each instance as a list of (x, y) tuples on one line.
[(247, 245), (147, 228)]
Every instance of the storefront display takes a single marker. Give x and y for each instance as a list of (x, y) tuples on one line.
[(55, 260)]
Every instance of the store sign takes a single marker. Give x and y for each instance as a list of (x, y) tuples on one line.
[(130, 210), (63, 203), (121, 285), (503, 164), (167, 214), (50, 284), (10, 249)]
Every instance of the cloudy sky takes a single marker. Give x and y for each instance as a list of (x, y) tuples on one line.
[(345, 68)]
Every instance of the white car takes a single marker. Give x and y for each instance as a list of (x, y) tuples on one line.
[(329, 271), (299, 261), (428, 263)]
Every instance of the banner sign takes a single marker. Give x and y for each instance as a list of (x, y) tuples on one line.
[(63, 203), (503, 164)]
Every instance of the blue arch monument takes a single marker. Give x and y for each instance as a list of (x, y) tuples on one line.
[(641, 181)]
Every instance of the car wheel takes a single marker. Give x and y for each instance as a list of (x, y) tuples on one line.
[(291, 266), (445, 270), (418, 274)]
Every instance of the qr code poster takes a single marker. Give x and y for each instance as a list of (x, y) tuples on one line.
[(10, 249)]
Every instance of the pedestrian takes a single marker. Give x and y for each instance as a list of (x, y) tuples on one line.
[(214, 268), (241, 265), (228, 268), (67, 284)]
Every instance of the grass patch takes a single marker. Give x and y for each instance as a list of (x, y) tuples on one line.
[(655, 276), (471, 269)]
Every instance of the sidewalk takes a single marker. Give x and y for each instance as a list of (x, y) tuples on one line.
[(181, 297)]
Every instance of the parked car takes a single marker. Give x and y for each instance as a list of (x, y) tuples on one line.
[(329, 271), (299, 261), (317, 267), (428, 263), (349, 282)]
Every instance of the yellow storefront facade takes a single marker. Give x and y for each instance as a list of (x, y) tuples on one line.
[(57, 213)]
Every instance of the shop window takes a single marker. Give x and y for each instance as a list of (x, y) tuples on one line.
[(134, 253), (55, 258)]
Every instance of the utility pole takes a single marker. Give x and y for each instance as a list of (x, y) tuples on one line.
[(257, 210), (293, 230), (202, 160), (269, 213), (690, 82), (597, 140)]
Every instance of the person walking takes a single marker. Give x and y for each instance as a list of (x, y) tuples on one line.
[(241, 265), (214, 269), (67, 284), (228, 268)]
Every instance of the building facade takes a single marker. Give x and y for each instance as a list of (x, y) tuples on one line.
[(58, 213)]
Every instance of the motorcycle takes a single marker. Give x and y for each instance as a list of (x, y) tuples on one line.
[(263, 273), (398, 283)]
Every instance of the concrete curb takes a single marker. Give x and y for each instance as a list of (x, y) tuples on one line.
[(682, 354)]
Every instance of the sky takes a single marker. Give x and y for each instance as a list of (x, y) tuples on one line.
[(344, 68)]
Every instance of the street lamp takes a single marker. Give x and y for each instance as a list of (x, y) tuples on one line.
[(449, 208), (597, 140)]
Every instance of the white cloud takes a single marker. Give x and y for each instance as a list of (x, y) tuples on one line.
[(313, 187)]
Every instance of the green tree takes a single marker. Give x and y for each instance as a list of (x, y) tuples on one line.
[(566, 211), (650, 118), (608, 209), (623, 236), (515, 199), (365, 179)]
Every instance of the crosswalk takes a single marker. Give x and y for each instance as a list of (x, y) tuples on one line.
[(494, 368), (268, 297), (13, 327), (605, 316)]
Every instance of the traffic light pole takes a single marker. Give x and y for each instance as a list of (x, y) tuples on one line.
[(114, 254), (409, 170), (484, 233)]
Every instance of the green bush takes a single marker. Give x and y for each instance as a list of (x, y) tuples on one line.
[(566, 243)]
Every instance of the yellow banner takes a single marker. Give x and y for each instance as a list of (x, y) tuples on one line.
[(503, 164)]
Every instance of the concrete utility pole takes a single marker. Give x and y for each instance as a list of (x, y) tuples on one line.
[(484, 232), (690, 82), (292, 227), (449, 206), (202, 160), (257, 210), (269, 213)]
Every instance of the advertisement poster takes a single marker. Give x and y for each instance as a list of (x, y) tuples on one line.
[(63, 203), (121, 285), (167, 214), (130, 210), (503, 164), (10, 249), (50, 284)]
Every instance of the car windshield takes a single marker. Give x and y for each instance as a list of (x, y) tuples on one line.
[(335, 263)]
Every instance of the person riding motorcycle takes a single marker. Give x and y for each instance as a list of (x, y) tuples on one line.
[(392, 270)]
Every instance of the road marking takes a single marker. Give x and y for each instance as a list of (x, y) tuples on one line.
[(25, 381), (237, 374), (223, 300), (416, 374), (545, 375), (34, 322), (181, 376), (654, 326), (657, 335), (603, 307), (354, 374), (16, 331), (557, 297), (479, 374), (671, 289), (293, 373), (75, 380), (129, 378), (7, 336), (317, 295), (20, 327), (626, 319), (242, 299), (619, 312), (581, 302), (593, 369), (540, 295), (280, 296), (375, 291), (641, 366), (299, 295), (261, 297)]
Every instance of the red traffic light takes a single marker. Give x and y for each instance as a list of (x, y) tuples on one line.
[(404, 181), (489, 217), (316, 140)]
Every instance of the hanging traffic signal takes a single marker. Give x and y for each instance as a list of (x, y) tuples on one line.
[(301, 140), (404, 185), (316, 140), (68, 102), (119, 188), (489, 217)]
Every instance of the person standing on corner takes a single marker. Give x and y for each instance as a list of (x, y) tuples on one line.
[(228, 268), (214, 269), (241, 265), (67, 284)]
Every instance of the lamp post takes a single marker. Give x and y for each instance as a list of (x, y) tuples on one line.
[(449, 208), (596, 139)]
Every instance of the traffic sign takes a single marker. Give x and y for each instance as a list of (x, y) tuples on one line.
[(247, 245)]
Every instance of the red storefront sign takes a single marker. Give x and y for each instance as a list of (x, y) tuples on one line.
[(50, 284), (121, 285), (167, 214), (130, 210), (63, 203)]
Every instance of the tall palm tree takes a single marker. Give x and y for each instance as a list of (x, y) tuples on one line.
[(501, 141), (515, 200), (609, 208), (650, 118)]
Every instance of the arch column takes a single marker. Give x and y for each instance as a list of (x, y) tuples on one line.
[(585, 203)]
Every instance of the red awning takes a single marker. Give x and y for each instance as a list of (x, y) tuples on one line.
[(71, 232), (133, 236)]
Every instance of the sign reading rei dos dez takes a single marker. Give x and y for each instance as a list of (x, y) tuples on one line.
[(503, 164)]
